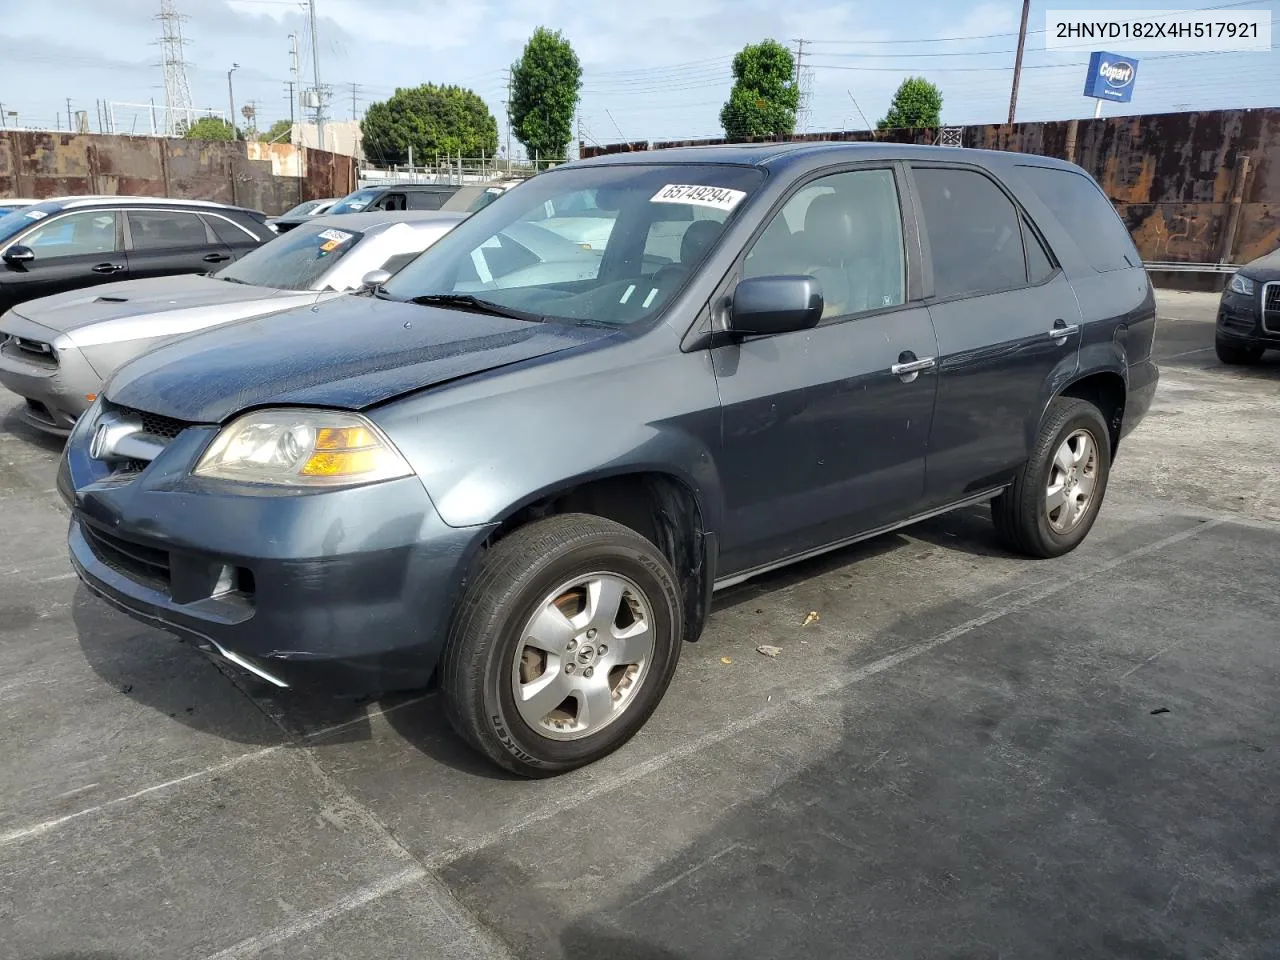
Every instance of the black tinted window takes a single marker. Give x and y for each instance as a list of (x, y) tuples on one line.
[(164, 229), (422, 200), (227, 232), (1087, 216), (1039, 266), (974, 233)]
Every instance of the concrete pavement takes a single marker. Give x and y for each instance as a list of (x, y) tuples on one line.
[(968, 754)]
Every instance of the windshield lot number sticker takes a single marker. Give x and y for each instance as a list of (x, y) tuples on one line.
[(337, 236), (719, 198)]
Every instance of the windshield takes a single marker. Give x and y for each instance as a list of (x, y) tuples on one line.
[(297, 260), (355, 202), (486, 197), (302, 209), (24, 217), (603, 244)]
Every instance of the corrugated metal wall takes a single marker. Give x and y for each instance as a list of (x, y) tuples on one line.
[(1171, 176), (40, 165)]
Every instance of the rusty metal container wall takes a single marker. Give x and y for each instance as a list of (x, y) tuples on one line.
[(42, 165), (1170, 176)]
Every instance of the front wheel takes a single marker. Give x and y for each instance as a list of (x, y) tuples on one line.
[(1054, 499), (563, 645)]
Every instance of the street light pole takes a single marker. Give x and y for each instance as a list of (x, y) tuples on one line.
[(231, 100)]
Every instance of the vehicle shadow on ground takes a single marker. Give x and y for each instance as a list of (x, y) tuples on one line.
[(174, 678), (964, 806), (13, 423)]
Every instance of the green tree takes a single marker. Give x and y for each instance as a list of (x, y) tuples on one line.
[(764, 98), (431, 119), (918, 103), (279, 132), (211, 128), (545, 82)]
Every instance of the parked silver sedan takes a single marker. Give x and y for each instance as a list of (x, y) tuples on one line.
[(56, 352)]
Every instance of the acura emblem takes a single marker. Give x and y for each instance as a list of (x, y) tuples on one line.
[(98, 445), (109, 431)]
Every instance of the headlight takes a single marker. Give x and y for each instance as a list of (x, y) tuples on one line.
[(302, 448), (1242, 284)]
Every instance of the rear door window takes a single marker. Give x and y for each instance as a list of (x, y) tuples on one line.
[(166, 230), (1087, 216), (228, 232), (974, 231)]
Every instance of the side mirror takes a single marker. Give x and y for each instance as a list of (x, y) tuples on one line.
[(763, 305), (19, 254), (375, 278)]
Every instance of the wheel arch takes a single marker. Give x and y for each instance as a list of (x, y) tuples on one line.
[(1108, 391), (663, 506)]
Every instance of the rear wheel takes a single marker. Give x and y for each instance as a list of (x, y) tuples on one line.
[(1236, 354), (1054, 500), (563, 645)]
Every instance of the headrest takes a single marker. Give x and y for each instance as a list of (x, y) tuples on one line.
[(697, 240)]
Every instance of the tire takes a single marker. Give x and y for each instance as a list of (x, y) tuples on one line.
[(1236, 354), (488, 656), (1022, 514)]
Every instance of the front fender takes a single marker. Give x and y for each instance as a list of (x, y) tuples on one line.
[(486, 447)]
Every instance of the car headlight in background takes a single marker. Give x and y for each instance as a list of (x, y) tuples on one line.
[(302, 448), (1242, 284)]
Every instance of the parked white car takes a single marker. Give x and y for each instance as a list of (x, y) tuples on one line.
[(57, 351)]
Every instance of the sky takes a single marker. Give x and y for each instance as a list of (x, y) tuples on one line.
[(658, 69)]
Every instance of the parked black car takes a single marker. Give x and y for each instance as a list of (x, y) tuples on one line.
[(1249, 312), (64, 244), (401, 196), (532, 476)]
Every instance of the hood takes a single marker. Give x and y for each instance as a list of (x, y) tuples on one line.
[(1264, 268), (65, 312), (351, 353)]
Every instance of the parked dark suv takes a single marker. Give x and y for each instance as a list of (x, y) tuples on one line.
[(530, 474), (59, 245), (1249, 312)]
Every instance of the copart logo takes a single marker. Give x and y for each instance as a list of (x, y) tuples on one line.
[(1116, 74)]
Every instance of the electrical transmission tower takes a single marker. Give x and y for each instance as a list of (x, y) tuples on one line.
[(803, 80), (178, 109)]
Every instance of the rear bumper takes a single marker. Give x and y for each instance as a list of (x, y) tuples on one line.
[(348, 591), (55, 385), (1144, 377)]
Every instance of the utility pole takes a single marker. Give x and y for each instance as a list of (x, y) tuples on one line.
[(315, 73), (355, 89), (70, 126), (507, 104), (1017, 63), (231, 100), (297, 80), (802, 120)]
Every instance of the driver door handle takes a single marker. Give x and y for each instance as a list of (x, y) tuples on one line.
[(215, 257), (908, 367), (108, 268), (1061, 330)]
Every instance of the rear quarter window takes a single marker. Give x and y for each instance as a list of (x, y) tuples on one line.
[(1086, 214)]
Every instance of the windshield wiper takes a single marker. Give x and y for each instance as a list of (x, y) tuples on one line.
[(231, 279), (469, 302)]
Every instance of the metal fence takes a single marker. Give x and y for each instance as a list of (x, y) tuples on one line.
[(1193, 188)]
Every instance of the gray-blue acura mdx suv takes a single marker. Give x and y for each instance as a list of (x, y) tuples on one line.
[(525, 463)]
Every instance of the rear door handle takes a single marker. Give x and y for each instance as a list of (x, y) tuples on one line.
[(215, 257), (1062, 330), (108, 268), (908, 370)]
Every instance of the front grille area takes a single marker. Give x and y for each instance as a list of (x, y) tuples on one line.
[(132, 559), (1271, 307), (155, 424), (32, 351)]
